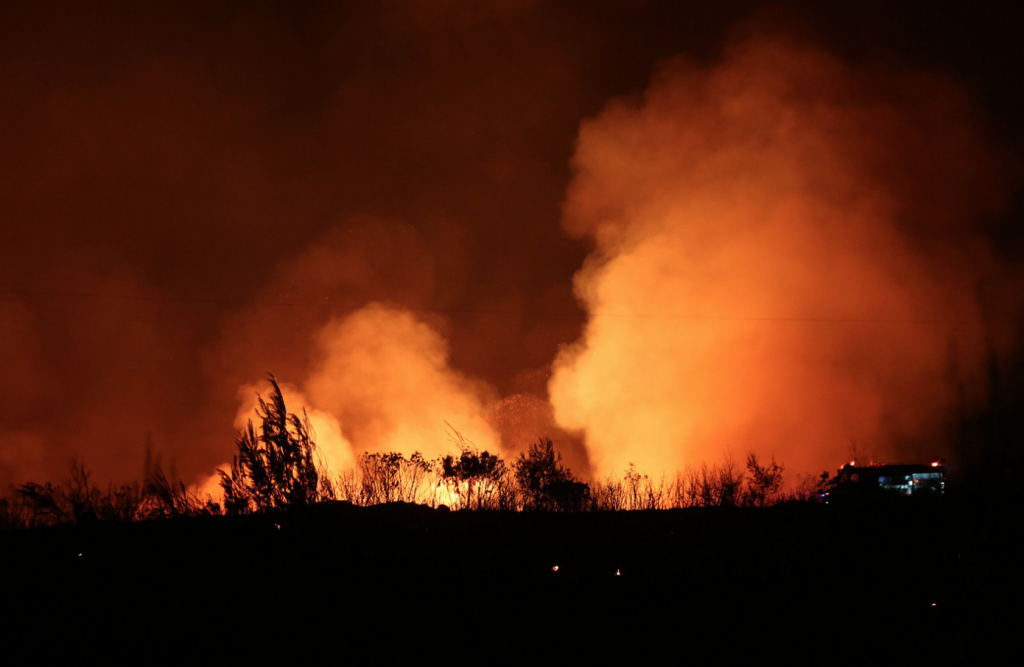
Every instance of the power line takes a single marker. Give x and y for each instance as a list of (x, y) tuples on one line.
[(467, 311)]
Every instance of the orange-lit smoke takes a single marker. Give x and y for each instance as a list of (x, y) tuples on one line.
[(785, 261), (385, 375), (333, 448), (382, 375)]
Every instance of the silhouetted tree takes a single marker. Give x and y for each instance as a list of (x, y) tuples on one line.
[(472, 471), (765, 481), (729, 484), (641, 492), (545, 484), (274, 469), (41, 504)]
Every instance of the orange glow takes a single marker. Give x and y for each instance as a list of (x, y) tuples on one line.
[(782, 244), (384, 375), (210, 485), (446, 495), (332, 447), (382, 384)]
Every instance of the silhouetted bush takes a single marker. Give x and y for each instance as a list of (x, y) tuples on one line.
[(712, 486), (643, 493), (78, 500), (810, 487), (168, 499), (275, 469), (545, 484), (388, 478), (475, 476), (41, 504), (765, 480)]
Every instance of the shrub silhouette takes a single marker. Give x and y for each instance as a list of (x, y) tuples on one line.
[(473, 471), (386, 478), (78, 500), (640, 492), (765, 480), (165, 498), (275, 469), (545, 484)]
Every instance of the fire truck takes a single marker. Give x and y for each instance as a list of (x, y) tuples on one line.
[(888, 480)]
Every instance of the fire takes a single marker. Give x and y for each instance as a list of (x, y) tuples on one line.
[(782, 245), (785, 260), (332, 446), (210, 486), (446, 495), (385, 375)]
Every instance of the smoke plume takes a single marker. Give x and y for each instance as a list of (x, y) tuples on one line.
[(195, 194), (334, 451), (385, 375), (786, 260)]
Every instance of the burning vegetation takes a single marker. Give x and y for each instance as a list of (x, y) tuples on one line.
[(279, 467), (767, 244), (786, 258), (541, 274)]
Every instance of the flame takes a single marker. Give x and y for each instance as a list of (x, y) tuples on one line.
[(448, 496)]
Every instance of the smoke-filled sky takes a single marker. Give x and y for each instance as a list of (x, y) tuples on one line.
[(657, 232)]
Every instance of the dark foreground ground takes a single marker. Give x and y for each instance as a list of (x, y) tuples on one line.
[(797, 584)]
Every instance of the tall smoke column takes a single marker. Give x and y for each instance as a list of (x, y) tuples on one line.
[(786, 259)]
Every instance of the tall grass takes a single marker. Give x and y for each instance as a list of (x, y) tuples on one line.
[(277, 467), (78, 500), (473, 481)]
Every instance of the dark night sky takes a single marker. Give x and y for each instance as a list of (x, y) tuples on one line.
[(189, 191)]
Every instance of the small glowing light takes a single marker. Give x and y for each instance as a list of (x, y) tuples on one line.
[(934, 604), (554, 569), (79, 555), (618, 573), (278, 526), (853, 463), (935, 464)]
